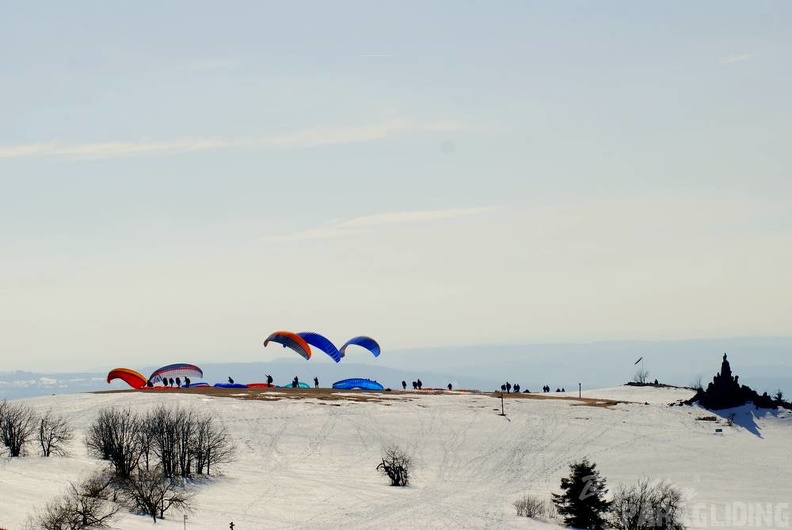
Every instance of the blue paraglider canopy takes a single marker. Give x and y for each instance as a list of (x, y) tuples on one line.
[(357, 383)]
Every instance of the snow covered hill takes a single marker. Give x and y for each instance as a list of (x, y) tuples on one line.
[(310, 463)]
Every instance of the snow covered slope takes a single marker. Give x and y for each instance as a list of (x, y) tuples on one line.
[(310, 463)]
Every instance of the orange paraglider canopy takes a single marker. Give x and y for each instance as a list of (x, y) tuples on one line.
[(290, 340), (134, 379)]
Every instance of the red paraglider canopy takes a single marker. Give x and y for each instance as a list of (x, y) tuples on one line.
[(129, 376)]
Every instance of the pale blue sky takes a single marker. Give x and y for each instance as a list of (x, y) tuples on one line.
[(181, 178)]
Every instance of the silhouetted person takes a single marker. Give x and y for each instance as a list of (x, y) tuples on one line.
[(295, 382), (516, 388), (508, 387), (420, 384), (503, 388), (149, 384), (269, 380), (558, 390), (450, 386), (178, 382), (186, 382), (230, 380), (415, 385), (404, 385), (172, 382), (316, 382), (563, 389)]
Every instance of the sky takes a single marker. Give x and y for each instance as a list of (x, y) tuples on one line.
[(180, 179)]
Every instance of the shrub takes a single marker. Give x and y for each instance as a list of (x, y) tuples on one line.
[(647, 505), (396, 464), (530, 506)]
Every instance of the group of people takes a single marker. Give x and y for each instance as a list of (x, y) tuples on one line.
[(295, 382), (546, 388), (508, 387), (171, 382), (417, 385)]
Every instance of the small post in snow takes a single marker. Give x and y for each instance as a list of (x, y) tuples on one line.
[(502, 411), (580, 390)]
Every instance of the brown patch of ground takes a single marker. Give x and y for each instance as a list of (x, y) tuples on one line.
[(333, 395)]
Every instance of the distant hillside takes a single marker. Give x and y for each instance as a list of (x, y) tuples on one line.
[(761, 362)]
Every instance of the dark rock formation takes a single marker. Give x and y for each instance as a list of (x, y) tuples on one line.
[(725, 392)]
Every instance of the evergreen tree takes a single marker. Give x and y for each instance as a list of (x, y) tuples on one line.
[(582, 501)]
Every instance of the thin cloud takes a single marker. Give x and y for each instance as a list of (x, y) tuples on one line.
[(312, 137), (212, 64), (367, 223), (738, 58)]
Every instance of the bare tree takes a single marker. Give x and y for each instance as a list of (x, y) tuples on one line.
[(145, 439), (647, 505), (396, 464), (698, 383), (17, 426), (152, 493), (113, 437), (641, 375), (83, 506), (54, 433), (211, 445)]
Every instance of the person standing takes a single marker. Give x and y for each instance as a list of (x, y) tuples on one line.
[(404, 385), (269, 381), (316, 382)]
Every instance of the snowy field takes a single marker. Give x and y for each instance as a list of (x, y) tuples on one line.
[(310, 463)]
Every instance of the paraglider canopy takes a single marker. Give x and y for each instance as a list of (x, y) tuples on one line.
[(323, 343), (129, 376), (175, 370), (290, 340), (363, 341)]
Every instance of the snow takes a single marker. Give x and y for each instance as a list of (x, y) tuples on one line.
[(310, 463)]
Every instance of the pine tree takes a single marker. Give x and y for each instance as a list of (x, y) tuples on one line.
[(582, 502)]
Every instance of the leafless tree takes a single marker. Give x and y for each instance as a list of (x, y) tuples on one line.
[(152, 493), (698, 383), (17, 427), (86, 505), (113, 437), (211, 446), (145, 437), (396, 464), (54, 433), (641, 375), (647, 505)]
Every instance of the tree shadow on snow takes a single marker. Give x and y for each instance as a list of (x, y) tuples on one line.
[(746, 417)]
